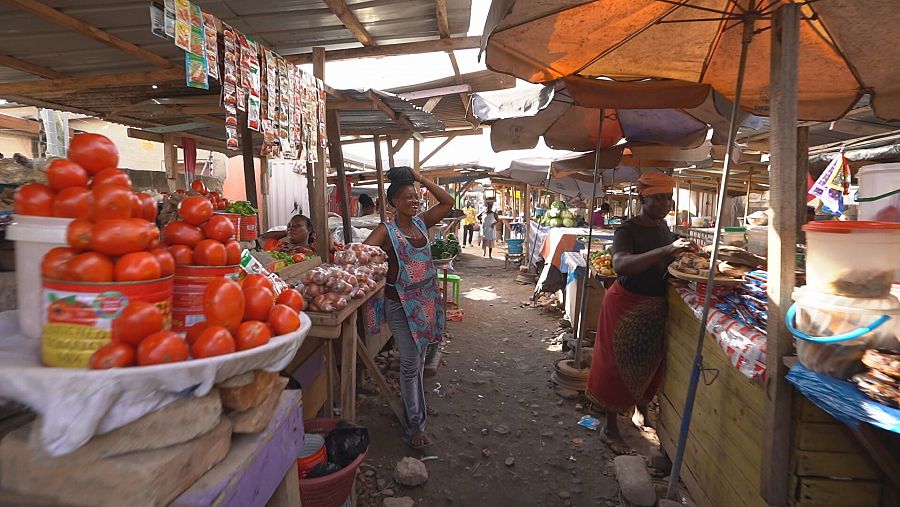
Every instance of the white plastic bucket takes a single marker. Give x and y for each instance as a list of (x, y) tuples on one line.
[(879, 192), (34, 237)]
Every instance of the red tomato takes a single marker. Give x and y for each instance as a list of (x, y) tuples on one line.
[(148, 205), (183, 255), (180, 191), (111, 201), (209, 252), (137, 321), (111, 176), (298, 257), (137, 267), (223, 303), (89, 267), (218, 228), (54, 263), (284, 319), (270, 244), (213, 341), (251, 334), (93, 152), (198, 186), (232, 253), (121, 236), (256, 280), (292, 298), (162, 347), (258, 302), (63, 173), (73, 202), (79, 234), (177, 232), (34, 199), (112, 355), (166, 261), (195, 210), (195, 331), (214, 195)]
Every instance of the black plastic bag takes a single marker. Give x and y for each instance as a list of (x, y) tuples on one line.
[(322, 469), (345, 443)]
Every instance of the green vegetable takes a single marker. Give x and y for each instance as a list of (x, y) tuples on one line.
[(452, 237), (242, 208), (558, 205), (568, 222), (281, 256), (564, 214), (556, 222), (437, 249)]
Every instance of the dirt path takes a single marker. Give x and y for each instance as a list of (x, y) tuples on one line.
[(494, 405)]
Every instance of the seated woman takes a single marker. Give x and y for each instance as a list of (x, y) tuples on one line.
[(298, 237)]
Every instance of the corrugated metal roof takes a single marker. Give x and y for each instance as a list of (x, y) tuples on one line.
[(288, 27), (375, 121)]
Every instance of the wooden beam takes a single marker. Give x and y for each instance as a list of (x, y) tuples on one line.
[(54, 16), (74, 84), (247, 156), (349, 105), (406, 48), (431, 103), (416, 164), (207, 143), (318, 207), (394, 115), (29, 68), (436, 150), (435, 92), (426, 135), (379, 174), (858, 127), (443, 23), (391, 152), (782, 227), (350, 21), (170, 155), (20, 124), (336, 154)]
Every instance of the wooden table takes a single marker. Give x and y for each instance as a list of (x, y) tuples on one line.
[(329, 327)]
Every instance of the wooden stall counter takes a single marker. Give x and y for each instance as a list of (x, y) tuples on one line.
[(723, 460)]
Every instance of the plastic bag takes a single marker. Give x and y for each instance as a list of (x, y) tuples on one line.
[(345, 443), (322, 469)]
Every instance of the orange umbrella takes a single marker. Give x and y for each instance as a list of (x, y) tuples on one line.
[(841, 53)]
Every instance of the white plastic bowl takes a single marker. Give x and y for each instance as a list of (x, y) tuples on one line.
[(34, 237)]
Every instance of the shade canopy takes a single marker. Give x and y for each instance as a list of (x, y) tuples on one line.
[(842, 53)]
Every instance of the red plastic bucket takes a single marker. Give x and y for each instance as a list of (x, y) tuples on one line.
[(235, 220), (249, 229), (79, 315), (187, 292)]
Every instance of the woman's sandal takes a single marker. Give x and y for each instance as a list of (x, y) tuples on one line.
[(408, 441)]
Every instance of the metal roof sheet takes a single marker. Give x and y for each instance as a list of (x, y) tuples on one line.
[(376, 121)]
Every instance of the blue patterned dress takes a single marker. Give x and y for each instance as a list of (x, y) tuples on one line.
[(417, 286)]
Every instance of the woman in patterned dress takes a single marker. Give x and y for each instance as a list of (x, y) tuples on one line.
[(413, 302)]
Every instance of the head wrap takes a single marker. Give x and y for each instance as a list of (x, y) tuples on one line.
[(655, 183)]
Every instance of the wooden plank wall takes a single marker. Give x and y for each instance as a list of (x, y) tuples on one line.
[(722, 461)]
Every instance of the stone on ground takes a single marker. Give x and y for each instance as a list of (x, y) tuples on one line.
[(659, 462), (635, 485), (665, 502), (403, 501), (410, 472)]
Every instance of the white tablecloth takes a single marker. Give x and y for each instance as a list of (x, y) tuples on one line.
[(77, 404)]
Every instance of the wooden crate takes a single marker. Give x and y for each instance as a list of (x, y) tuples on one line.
[(723, 458)]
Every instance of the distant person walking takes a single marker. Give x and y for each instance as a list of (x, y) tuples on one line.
[(489, 220), (469, 221)]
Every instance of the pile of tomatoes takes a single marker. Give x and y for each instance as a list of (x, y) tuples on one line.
[(201, 238), (238, 317), (113, 236), (218, 202)]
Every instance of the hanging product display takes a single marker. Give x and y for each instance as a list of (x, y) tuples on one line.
[(212, 45), (183, 24), (229, 88)]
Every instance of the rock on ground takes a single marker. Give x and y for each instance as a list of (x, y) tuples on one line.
[(403, 501), (411, 472), (635, 483)]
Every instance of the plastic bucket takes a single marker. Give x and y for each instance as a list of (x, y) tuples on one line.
[(879, 192), (187, 292), (833, 257), (235, 220), (312, 454), (34, 237), (79, 315), (833, 332), (249, 230), (514, 246)]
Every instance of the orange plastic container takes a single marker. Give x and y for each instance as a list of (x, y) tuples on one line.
[(78, 315), (236, 220), (249, 228), (187, 292)]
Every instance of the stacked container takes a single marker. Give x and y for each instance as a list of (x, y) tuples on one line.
[(846, 306)]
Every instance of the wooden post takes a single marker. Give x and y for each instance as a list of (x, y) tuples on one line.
[(527, 201), (317, 207), (336, 153), (264, 194), (379, 175), (782, 252), (747, 201), (247, 156), (416, 154), (802, 170), (390, 150), (170, 156)]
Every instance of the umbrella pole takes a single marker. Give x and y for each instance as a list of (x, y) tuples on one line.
[(710, 279), (587, 266)]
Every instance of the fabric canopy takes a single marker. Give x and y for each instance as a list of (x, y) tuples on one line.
[(846, 47), (536, 171)]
